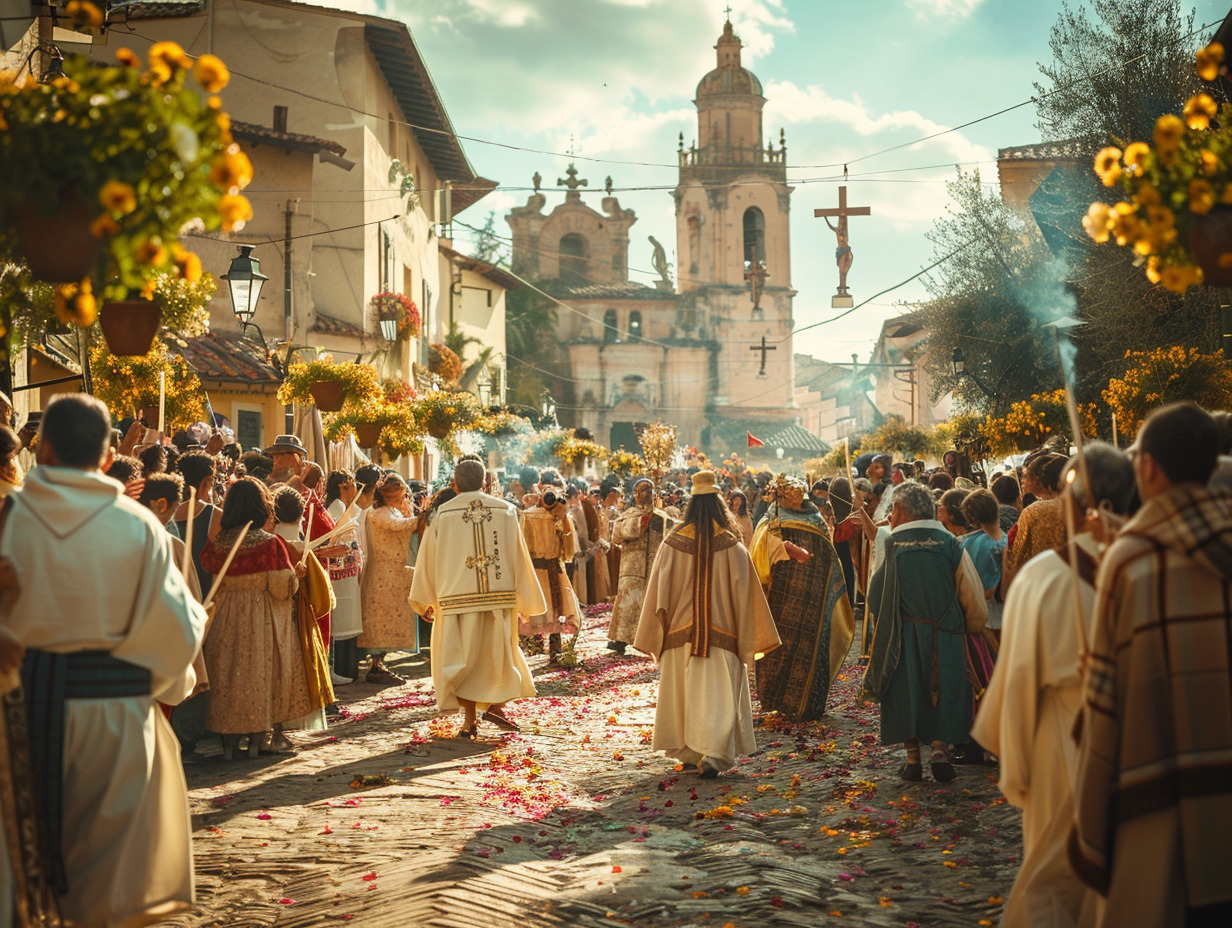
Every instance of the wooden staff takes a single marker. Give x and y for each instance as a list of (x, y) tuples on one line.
[(1072, 543), (303, 558), (225, 564), (188, 532), (847, 461)]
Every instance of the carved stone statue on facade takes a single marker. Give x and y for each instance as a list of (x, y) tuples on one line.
[(659, 262)]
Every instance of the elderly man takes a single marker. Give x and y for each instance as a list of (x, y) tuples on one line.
[(549, 535), (99, 652), (1027, 715), (924, 598), (639, 532), (1153, 801), (474, 574), (799, 569)]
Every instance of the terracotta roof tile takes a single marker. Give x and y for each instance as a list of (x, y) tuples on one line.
[(226, 356)]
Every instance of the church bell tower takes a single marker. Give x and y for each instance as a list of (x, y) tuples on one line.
[(733, 240)]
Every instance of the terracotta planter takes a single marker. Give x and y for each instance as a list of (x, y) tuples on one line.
[(130, 326), (58, 248), (1210, 244), (368, 434), (327, 395)]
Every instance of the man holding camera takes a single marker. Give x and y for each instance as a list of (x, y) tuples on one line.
[(553, 544)]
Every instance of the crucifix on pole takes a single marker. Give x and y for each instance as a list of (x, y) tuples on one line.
[(842, 254), (763, 348)]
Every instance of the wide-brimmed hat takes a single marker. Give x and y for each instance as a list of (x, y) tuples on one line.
[(287, 443), (704, 483)]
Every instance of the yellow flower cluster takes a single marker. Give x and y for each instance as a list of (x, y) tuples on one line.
[(1030, 423), (129, 384), (1166, 375), (1185, 173), (626, 463)]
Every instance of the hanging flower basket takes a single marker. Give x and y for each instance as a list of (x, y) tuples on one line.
[(59, 247), (442, 412), (396, 307), (328, 395), (130, 326), (368, 434), (1210, 244)]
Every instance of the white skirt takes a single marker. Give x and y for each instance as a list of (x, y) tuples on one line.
[(346, 621), (704, 707)]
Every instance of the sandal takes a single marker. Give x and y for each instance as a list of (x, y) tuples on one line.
[(911, 772), (472, 733), (942, 769), (707, 770), (500, 720)]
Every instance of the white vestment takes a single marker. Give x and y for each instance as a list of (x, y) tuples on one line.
[(1026, 718), (97, 572), (346, 621), (704, 709), (475, 572)]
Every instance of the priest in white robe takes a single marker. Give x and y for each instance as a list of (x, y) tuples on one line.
[(100, 652), (706, 619), (474, 575), (1027, 714)]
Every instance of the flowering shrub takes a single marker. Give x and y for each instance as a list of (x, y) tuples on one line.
[(573, 448), (1030, 423), (444, 362), (625, 463), (501, 424), (443, 412), (401, 433), (129, 384), (1166, 375), (359, 380), (1184, 174)]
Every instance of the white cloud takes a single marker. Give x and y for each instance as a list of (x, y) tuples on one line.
[(947, 9)]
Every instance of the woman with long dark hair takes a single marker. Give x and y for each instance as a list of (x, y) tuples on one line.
[(389, 620), (706, 619)]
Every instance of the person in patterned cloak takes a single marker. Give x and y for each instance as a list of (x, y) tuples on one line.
[(799, 568), (639, 531)]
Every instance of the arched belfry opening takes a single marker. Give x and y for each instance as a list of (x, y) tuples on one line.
[(754, 237), (574, 254)]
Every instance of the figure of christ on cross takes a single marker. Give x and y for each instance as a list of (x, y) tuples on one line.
[(763, 348), (842, 254)]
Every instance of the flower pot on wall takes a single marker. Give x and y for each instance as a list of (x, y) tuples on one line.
[(328, 395), (1210, 244), (59, 248), (130, 326), (368, 434)]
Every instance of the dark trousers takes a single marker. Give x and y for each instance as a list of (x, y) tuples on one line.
[(346, 658), (188, 721)]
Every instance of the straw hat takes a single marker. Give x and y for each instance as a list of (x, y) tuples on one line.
[(703, 483)]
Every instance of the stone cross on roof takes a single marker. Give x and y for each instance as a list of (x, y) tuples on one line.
[(572, 183)]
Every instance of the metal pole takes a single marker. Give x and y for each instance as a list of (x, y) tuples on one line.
[(286, 302)]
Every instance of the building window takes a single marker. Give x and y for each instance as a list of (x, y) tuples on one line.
[(574, 252), (610, 332), (387, 261), (754, 237), (635, 324)]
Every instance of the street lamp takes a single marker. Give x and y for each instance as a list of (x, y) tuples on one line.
[(958, 362), (244, 279), (548, 408)]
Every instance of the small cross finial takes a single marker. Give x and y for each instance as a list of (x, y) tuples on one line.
[(571, 181), (728, 12)]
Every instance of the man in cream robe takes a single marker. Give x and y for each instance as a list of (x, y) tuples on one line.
[(474, 574), (549, 535), (639, 531), (120, 796), (706, 630), (1027, 715)]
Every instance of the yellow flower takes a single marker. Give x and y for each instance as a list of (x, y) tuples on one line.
[(128, 58), (1147, 195), (1096, 221), (211, 73), (104, 227), (1208, 163), (231, 170), (150, 252), (224, 127), (1201, 196), (1209, 60), (1180, 277), (84, 14), (1226, 197), (186, 262), (234, 210), (75, 304), (1199, 111), (118, 197), (1135, 154), (1161, 216), (11, 82), (1108, 165), (169, 53), (1168, 129)]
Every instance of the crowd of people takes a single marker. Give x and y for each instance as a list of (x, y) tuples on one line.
[(1069, 622)]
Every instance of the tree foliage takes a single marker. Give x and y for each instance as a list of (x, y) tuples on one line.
[(1167, 375), (530, 344), (894, 436), (991, 299), (1114, 72)]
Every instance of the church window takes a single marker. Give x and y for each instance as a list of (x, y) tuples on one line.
[(754, 237), (635, 324), (574, 250), (609, 326)]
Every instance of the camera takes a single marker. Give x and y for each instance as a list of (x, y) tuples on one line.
[(549, 499)]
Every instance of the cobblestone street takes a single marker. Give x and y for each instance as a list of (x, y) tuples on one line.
[(386, 819)]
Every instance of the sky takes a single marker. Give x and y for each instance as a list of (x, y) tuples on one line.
[(615, 80)]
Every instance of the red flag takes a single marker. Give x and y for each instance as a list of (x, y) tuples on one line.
[(755, 442)]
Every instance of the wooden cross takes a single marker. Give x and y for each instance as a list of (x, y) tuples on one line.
[(842, 254), (763, 348)]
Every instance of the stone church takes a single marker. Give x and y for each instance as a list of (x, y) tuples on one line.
[(711, 352)]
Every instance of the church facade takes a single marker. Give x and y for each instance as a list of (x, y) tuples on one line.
[(711, 351)]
